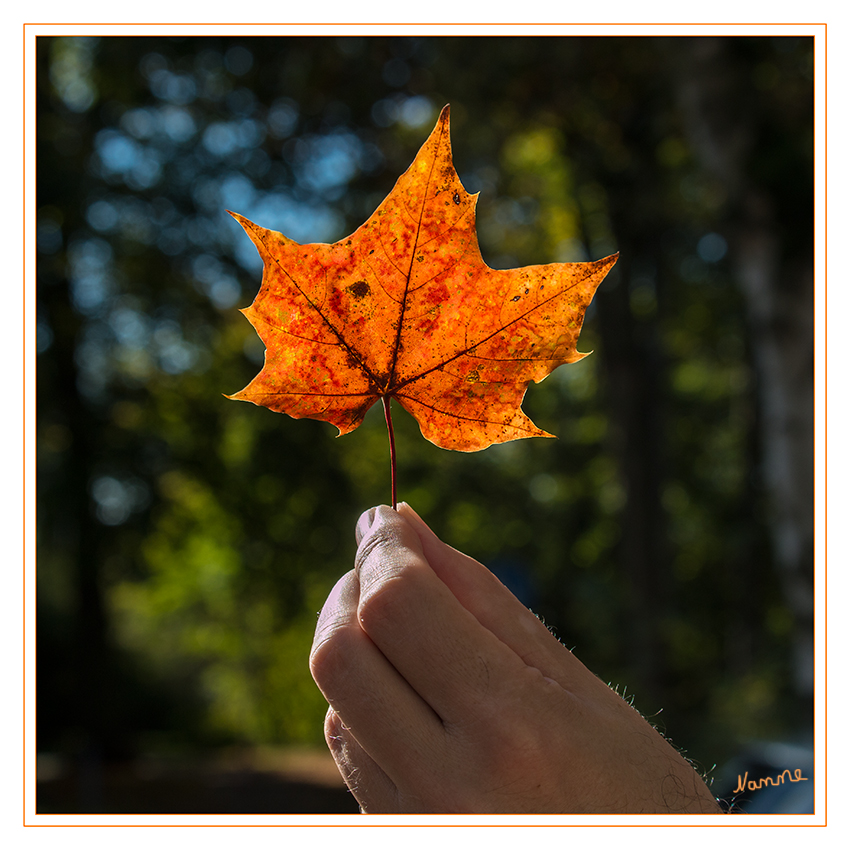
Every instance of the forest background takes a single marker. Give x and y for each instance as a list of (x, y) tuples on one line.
[(185, 542)]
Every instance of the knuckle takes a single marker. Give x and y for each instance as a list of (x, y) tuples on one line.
[(511, 735), (329, 660), (382, 601), (335, 731)]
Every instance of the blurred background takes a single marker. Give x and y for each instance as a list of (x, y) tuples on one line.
[(187, 542)]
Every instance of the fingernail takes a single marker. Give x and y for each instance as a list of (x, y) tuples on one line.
[(364, 524)]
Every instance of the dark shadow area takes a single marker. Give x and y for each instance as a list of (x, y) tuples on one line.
[(192, 787)]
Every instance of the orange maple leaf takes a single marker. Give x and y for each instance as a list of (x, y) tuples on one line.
[(406, 308)]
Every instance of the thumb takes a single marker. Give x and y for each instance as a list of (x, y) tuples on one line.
[(490, 602)]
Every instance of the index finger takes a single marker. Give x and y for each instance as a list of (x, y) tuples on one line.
[(386, 716)]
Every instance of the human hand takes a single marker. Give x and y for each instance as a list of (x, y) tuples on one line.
[(448, 695)]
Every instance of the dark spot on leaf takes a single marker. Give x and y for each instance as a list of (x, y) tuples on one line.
[(515, 298), (456, 198), (360, 289)]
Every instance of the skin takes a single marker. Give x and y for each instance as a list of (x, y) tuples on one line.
[(447, 695)]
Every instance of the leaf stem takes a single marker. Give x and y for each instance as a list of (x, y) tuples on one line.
[(388, 416)]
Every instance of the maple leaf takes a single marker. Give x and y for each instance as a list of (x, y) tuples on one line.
[(406, 308)]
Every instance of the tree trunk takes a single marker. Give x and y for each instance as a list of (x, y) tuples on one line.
[(779, 294)]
